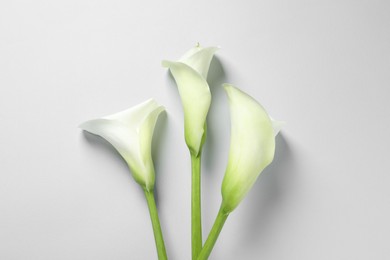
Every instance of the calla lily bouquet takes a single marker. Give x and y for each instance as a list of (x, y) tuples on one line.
[(252, 144)]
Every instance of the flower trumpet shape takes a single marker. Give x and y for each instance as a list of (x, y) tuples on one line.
[(131, 132), (190, 73), (252, 146)]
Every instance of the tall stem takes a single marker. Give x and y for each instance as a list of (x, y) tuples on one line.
[(158, 237), (196, 216), (214, 233)]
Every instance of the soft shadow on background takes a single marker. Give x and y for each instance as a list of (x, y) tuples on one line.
[(267, 196), (216, 76), (216, 121), (160, 132)]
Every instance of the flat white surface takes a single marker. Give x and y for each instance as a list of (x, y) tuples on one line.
[(322, 66)]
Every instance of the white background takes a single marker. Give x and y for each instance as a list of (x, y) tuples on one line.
[(322, 66)]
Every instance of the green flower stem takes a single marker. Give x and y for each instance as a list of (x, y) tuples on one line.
[(158, 237), (214, 233), (196, 217)]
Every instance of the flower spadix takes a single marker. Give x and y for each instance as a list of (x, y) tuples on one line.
[(190, 73), (131, 132), (252, 146)]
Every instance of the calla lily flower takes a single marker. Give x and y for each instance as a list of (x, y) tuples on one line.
[(190, 73), (252, 146), (131, 132)]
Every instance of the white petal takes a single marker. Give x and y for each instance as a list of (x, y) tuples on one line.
[(252, 146), (135, 115), (145, 134), (190, 73), (199, 58), (131, 132), (196, 98)]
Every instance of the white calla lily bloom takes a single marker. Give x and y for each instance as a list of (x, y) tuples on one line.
[(252, 146), (190, 73), (131, 132)]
